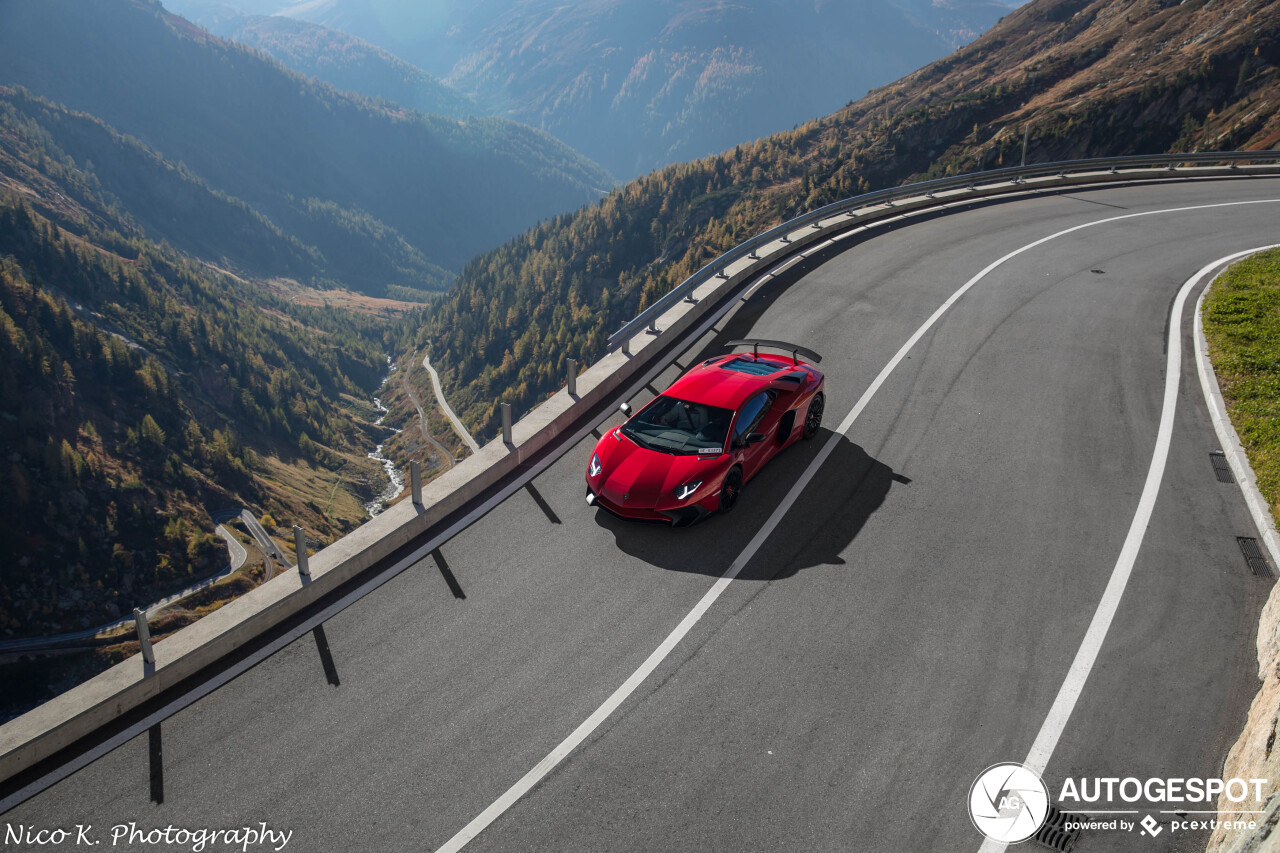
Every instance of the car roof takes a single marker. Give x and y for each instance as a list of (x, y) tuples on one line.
[(727, 381)]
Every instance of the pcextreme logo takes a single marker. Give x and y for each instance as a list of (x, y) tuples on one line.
[(1008, 802)]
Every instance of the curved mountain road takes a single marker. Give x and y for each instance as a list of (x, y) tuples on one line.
[(443, 402), (908, 623), (445, 456)]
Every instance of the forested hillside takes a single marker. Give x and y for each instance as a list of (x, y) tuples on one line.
[(75, 162), (141, 392), (1100, 78), (374, 194)]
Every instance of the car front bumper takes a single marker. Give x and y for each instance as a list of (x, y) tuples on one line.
[(680, 516)]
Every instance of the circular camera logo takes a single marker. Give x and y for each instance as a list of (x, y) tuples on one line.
[(1008, 803)]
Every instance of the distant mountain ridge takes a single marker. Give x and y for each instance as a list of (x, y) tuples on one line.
[(638, 84), (344, 61), (382, 196)]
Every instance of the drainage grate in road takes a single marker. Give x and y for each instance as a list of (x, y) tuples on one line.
[(1054, 833), (1253, 556), (1220, 467)]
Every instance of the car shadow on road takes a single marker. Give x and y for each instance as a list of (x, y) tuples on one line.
[(830, 512)]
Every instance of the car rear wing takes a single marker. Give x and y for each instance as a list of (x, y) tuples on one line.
[(794, 349)]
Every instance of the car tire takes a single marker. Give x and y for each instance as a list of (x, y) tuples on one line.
[(731, 489), (813, 419)]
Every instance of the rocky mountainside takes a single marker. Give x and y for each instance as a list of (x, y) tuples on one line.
[(640, 84)]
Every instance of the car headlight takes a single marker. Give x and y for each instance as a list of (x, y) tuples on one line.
[(685, 491), (596, 467)]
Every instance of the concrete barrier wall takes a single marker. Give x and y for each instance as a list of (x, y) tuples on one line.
[(82, 710)]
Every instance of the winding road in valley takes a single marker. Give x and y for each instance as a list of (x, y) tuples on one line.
[(1016, 446), (446, 408), (444, 452)]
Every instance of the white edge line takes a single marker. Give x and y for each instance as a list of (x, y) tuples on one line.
[(1073, 685), (584, 730), (1227, 437)]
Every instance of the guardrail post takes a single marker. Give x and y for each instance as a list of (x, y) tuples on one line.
[(573, 377), (506, 422), (415, 481), (144, 636), (300, 545)]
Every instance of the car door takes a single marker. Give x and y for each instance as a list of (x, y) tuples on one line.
[(750, 419)]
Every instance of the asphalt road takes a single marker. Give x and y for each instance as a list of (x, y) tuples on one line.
[(443, 402), (270, 550), (235, 551), (908, 624)]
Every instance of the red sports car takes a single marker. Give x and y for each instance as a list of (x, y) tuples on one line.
[(689, 451)]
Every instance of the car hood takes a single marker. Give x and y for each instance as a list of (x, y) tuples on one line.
[(637, 476)]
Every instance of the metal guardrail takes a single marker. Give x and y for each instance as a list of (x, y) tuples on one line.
[(973, 181)]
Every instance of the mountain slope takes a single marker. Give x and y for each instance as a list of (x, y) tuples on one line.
[(688, 78), (119, 172), (328, 169), (1099, 78), (142, 392), (345, 62), (638, 84)]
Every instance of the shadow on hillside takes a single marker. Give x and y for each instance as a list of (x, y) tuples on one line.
[(827, 516)]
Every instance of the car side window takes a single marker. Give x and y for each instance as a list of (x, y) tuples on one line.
[(752, 414)]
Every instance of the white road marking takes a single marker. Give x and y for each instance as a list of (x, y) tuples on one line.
[(1230, 442), (1073, 685), (584, 730)]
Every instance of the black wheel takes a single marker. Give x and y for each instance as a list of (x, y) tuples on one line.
[(813, 420), (731, 489)]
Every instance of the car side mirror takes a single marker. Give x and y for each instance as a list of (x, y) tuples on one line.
[(755, 437), (625, 409)]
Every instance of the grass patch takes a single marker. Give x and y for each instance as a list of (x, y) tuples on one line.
[(1242, 324)]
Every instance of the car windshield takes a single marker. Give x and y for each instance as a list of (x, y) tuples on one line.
[(679, 427)]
